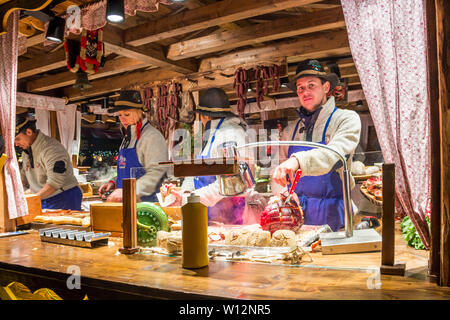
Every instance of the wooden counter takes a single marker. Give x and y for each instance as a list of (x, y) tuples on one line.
[(106, 274)]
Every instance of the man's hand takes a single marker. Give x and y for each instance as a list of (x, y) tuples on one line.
[(106, 187), (287, 168), (115, 196)]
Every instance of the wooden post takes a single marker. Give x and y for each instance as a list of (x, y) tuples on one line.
[(388, 224), (441, 254), (435, 142), (54, 132), (129, 217)]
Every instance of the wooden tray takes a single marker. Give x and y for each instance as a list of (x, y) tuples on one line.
[(370, 197)]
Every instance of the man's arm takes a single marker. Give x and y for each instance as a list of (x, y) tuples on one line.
[(46, 191)]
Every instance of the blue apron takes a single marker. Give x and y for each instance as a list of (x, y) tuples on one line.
[(320, 196), (128, 160), (228, 210), (66, 200)]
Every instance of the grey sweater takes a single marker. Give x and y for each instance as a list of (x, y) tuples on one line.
[(51, 165)]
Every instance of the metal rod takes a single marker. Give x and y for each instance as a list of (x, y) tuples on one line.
[(346, 174)]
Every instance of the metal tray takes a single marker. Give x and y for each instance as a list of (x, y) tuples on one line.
[(74, 237)]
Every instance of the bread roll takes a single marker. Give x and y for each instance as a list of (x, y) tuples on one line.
[(283, 238), (259, 238), (237, 237)]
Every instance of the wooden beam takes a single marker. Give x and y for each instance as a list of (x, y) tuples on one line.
[(41, 63), (282, 28), (311, 46), (218, 71), (151, 54), (113, 43), (115, 83), (35, 40), (435, 142), (443, 62), (204, 17), (119, 65)]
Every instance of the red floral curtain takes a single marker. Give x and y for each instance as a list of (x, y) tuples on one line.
[(17, 206), (388, 43)]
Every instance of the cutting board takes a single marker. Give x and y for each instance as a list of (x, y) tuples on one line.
[(107, 217), (34, 209)]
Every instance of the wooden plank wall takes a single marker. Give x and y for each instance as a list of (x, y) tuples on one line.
[(438, 28), (435, 141), (443, 49)]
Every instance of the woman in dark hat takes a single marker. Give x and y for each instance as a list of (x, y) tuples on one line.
[(319, 190), (222, 128), (142, 146), (46, 166)]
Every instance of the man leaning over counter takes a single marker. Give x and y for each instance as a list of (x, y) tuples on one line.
[(46, 166)]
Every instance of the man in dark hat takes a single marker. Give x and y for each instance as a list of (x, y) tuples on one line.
[(319, 190), (142, 147), (46, 166), (222, 129)]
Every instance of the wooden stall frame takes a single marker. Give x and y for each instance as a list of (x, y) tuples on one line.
[(388, 265)]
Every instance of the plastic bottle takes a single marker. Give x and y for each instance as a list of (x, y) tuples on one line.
[(194, 219)]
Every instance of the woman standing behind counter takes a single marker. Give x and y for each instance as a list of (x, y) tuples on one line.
[(141, 146)]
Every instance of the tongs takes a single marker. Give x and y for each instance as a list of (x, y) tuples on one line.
[(293, 186)]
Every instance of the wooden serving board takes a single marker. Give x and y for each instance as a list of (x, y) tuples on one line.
[(370, 197)]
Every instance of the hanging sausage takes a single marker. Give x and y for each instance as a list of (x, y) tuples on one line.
[(241, 84)]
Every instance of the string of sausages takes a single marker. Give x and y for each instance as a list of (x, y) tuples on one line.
[(262, 77), (241, 85), (162, 108), (165, 108), (175, 100)]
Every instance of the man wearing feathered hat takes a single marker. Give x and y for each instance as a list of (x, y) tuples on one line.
[(319, 189), (46, 166)]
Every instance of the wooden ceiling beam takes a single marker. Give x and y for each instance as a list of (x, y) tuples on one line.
[(115, 83), (41, 63), (282, 28), (204, 17), (150, 55), (319, 45), (35, 40), (217, 71), (154, 55), (67, 78)]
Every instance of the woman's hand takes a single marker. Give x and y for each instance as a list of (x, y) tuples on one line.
[(106, 187), (115, 196), (287, 168)]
